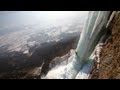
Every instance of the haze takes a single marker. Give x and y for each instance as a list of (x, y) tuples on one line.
[(17, 18)]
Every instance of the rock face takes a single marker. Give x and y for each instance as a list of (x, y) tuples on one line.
[(109, 55)]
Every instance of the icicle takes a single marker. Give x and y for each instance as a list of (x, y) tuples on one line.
[(90, 36)]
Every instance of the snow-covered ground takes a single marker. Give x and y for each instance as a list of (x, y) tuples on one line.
[(22, 32), (19, 35)]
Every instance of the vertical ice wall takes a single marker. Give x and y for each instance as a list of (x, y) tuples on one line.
[(92, 32)]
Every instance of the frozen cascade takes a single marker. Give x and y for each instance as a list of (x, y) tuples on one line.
[(80, 64)]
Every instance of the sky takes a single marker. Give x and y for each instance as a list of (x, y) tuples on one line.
[(17, 18)]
